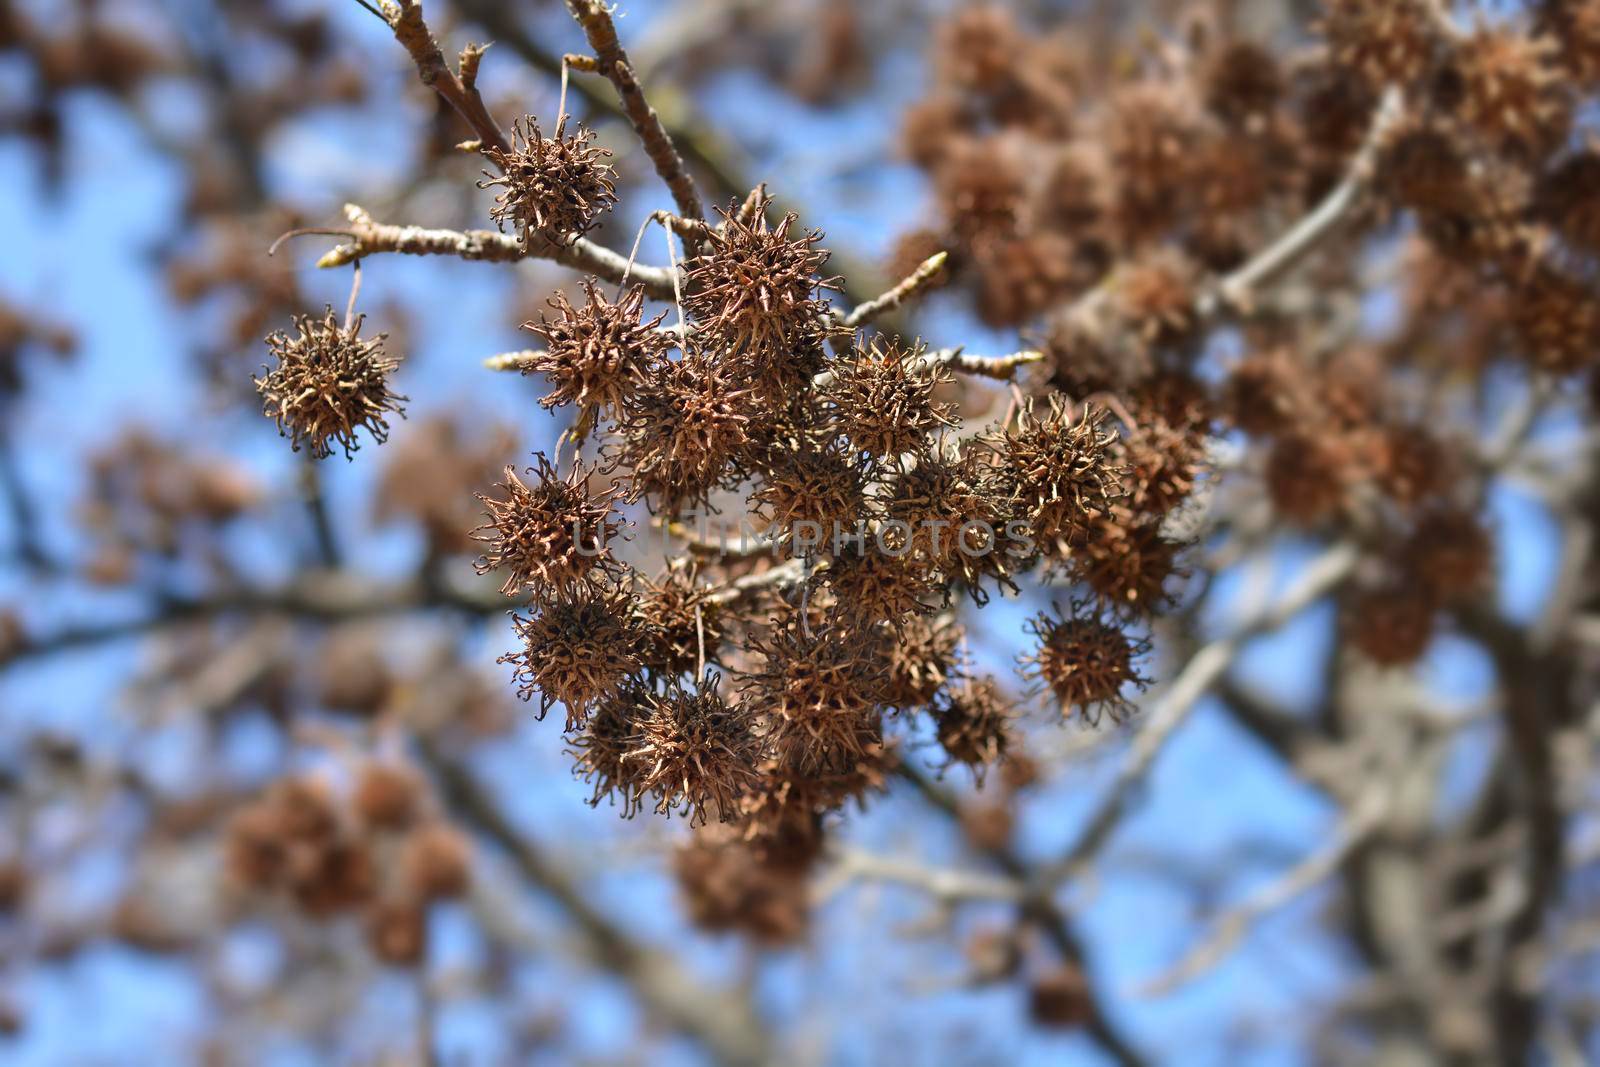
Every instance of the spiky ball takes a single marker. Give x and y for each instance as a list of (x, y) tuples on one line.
[(328, 383), (1064, 469), (973, 723), (882, 399), (548, 535), (577, 650), (552, 187), (596, 355), (696, 752), (681, 432), (1085, 660), (755, 288)]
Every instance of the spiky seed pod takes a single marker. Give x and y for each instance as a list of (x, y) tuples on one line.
[(870, 586), (397, 931), (551, 534), (1266, 392), (681, 432), (1085, 660), (1575, 24), (1556, 318), (928, 129), (1392, 623), (437, 861), (1128, 561), (1451, 553), (327, 384), (1243, 80), (1149, 131), (973, 723), (1310, 472), (333, 879), (1423, 164), (807, 491), (982, 185), (882, 399), (1510, 87), (681, 617), (922, 659), (731, 885), (1409, 463), (1163, 463), (1025, 275), (952, 513), (755, 288), (600, 750), (553, 187), (1064, 468), (1081, 363), (1381, 41), (595, 356), (388, 795), (819, 688), (1568, 198), (696, 752), (978, 48), (577, 650)]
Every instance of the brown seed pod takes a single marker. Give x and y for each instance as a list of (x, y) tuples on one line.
[(973, 722), (928, 129), (1381, 41), (596, 355), (1391, 623), (682, 619), (922, 659), (1064, 470), (437, 862), (550, 535), (696, 752), (1568, 198), (978, 48), (870, 586), (1509, 86), (1266, 393), (577, 650), (1409, 463), (809, 491), (553, 187), (1061, 999), (600, 749), (732, 885), (1243, 80), (952, 513), (1162, 464), (819, 687), (1149, 131), (327, 384), (1309, 474), (1451, 553), (1556, 318), (682, 431), (1575, 24), (755, 289), (982, 187), (387, 795), (882, 399), (1086, 661), (1155, 296), (397, 931)]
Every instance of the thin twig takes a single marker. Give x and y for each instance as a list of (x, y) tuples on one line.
[(902, 292)]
